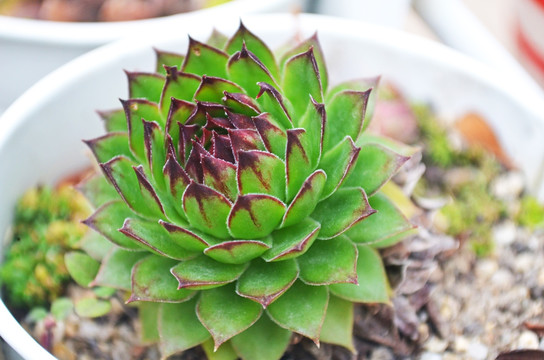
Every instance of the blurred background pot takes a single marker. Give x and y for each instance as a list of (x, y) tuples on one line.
[(40, 134), (32, 48)]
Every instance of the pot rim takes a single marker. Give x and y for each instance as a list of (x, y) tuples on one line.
[(17, 114), (84, 34)]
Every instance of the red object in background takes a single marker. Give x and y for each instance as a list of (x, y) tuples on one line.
[(530, 36), (539, 2)]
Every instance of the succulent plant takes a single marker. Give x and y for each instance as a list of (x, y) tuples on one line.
[(243, 199), (46, 226)]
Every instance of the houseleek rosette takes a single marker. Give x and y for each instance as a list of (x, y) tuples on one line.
[(243, 199)]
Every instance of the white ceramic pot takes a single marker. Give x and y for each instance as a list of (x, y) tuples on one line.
[(40, 134), (383, 12), (30, 49)]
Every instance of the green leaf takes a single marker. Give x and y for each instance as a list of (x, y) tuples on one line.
[(108, 219), (180, 111), (237, 251), (61, 308), (145, 85), (155, 238), (338, 325), (114, 120), (313, 122), (341, 211), (98, 190), (81, 267), (292, 241), (95, 245), (220, 175), (178, 85), (391, 144), (152, 281), (134, 188), (203, 272), (261, 173), (255, 216), (165, 58), (298, 163), (92, 307), (202, 59), (241, 104), (374, 167), (108, 146), (359, 85), (249, 344), (224, 352), (155, 151), (37, 314), (217, 39), (301, 309), (246, 69), (176, 181), (264, 282), (244, 140), (212, 89), (225, 314), (329, 262), (243, 37), (135, 111), (116, 269), (191, 240), (154, 206), (306, 199), (271, 101), (373, 285), (148, 314), (345, 115), (104, 292), (179, 328), (386, 223), (273, 137), (207, 210), (337, 164), (300, 81), (311, 42)]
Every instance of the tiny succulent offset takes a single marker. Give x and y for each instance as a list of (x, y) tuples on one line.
[(243, 199)]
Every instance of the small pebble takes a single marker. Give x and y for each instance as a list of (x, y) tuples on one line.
[(508, 186), (504, 233), (485, 268), (502, 279), (527, 340), (540, 278), (430, 356), (382, 354), (449, 308), (477, 351), (523, 263), (460, 344), (436, 345), (450, 356)]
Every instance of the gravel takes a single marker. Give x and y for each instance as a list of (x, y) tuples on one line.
[(487, 302)]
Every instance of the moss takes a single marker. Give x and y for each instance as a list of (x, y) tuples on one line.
[(531, 213), (473, 207), (46, 225)]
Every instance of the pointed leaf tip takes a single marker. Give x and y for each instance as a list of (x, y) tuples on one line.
[(207, 209), (255, 216), (217, 305)]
